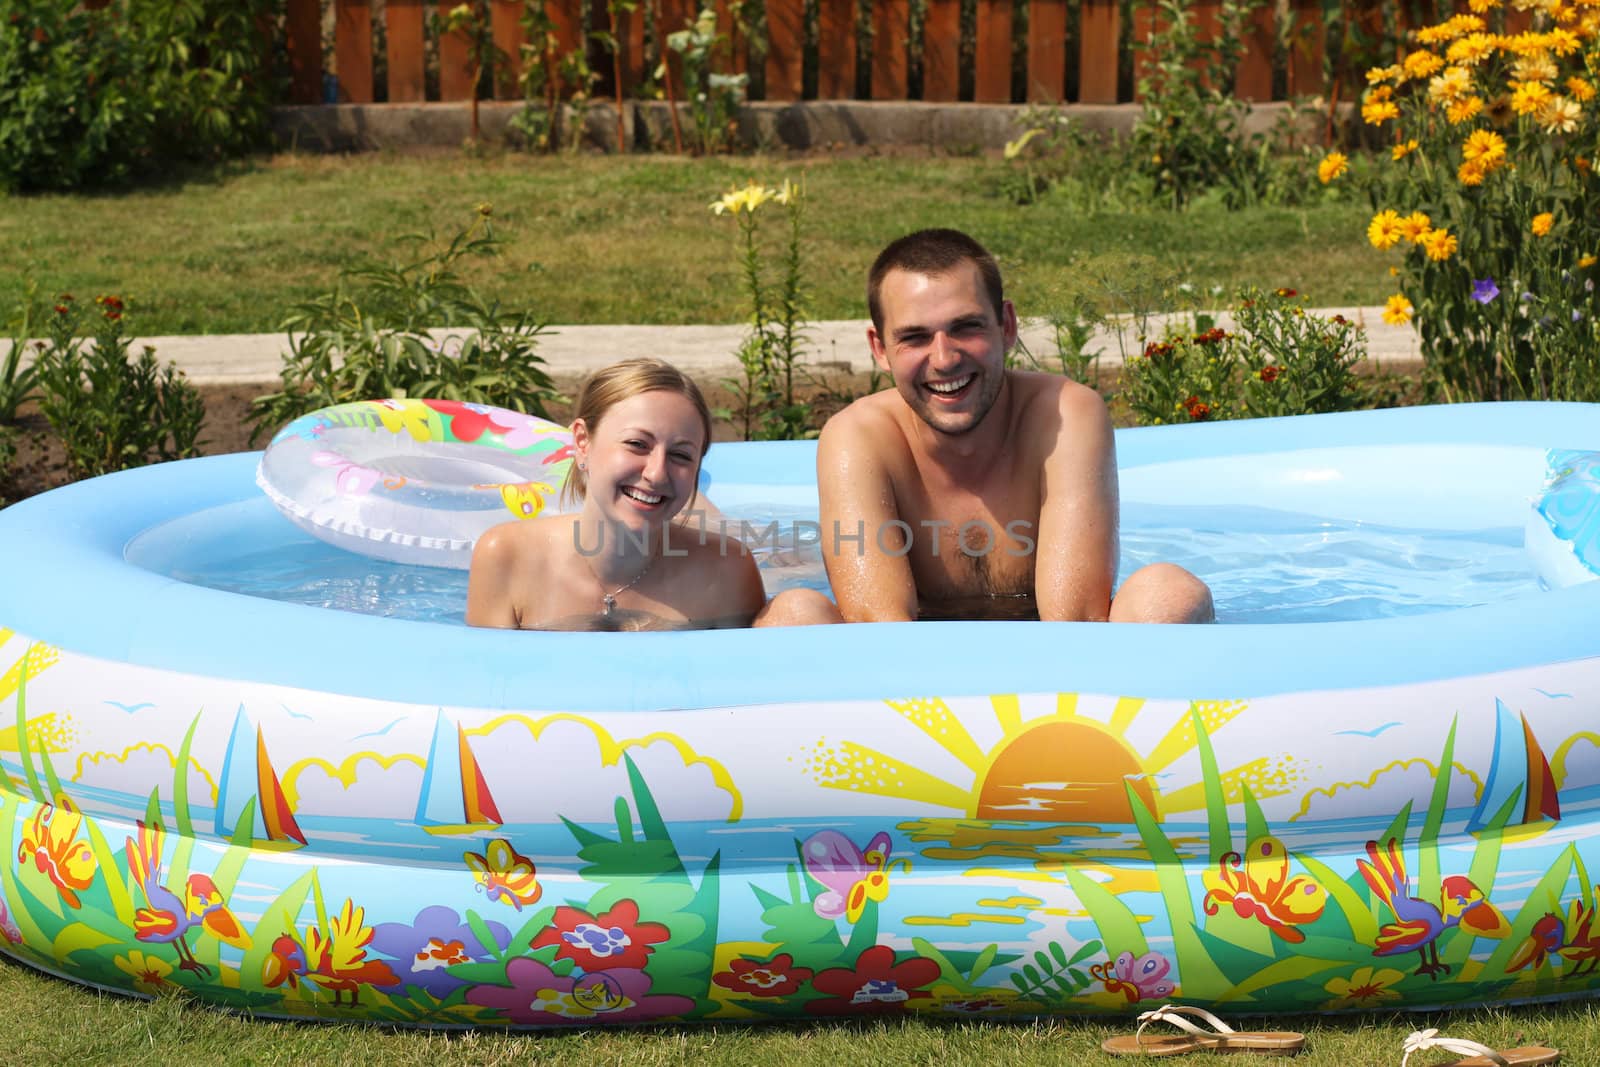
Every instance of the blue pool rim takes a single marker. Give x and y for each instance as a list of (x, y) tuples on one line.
[(67, 583)]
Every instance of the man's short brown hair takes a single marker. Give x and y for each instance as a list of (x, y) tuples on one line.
[(932, 252)]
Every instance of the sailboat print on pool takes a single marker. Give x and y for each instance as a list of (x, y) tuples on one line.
[(1519, 764), (455, 797), (248, 781)]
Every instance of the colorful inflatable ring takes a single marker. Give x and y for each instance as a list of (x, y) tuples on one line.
[(414, 481), (1563, 531)]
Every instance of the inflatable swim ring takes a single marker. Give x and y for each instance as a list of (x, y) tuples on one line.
[(1563, 533), (414, 481), (515, 829)]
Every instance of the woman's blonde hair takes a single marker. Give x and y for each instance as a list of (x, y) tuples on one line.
[(609, 386)]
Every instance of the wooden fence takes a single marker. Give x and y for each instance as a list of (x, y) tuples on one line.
[(1073, 51)]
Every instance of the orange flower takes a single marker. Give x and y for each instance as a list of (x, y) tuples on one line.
[(1414, 225), (1257, 886), (50, 841), (1397, 310), (1332, 166), (1541, 223), (1402, 150), (1440, 245)]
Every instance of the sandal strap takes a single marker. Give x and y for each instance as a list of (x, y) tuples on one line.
[(1174, 1014), (1421, 1040)]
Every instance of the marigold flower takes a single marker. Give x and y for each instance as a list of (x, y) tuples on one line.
[(1560, 115), (1332, 166), (1541, 223), (1422, 64), (1467, 107), (1384, 230), (1285, 292), (1269, 373), (1470, 50), (1586, 260), (1580, 89), (1414, 225), (1377, 112), (1198, 409), (1529, 97), (1397, 310), (1470, 172), (1535, 68), (1485, 147), (1440, 244), (1449, 84), (1402, 150)]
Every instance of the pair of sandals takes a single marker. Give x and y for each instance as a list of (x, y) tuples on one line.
[(1220, 1037)]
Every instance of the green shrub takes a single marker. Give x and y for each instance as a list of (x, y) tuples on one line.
[(1279, 361), (112, 412), (17, 380), (369, 339), (96, 97)]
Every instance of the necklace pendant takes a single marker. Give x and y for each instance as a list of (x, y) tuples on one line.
[(610, 603)]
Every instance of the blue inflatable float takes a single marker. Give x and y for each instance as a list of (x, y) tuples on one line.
[(307, 812)]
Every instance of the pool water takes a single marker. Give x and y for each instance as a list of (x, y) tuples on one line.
[(1263, 565)]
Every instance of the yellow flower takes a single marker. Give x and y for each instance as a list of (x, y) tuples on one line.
[(1484, 147), (1384, 230), (1470, 173), (1463, 109), (1402, 150), (149, 973), (1414, 225), (1449, 84), (1541, 223), (1422, 64), (1528, 97), (1366, 987), (1580, 89), (1470, 50), (1560, 115), (1397, 310), (1482, 7), (1535, 68), (1393, 73), (747, 199), (1563, 42), (1586, 261), (1440, 245), (1377, 112), (1332, 166)]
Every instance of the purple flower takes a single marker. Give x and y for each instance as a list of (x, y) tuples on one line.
[(436, 940), (538, 996), (1484, 290)]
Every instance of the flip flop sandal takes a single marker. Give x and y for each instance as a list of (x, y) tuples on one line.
[(1220, 1038), (1477, 1055)]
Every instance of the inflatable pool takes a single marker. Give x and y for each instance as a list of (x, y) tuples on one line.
[(307, 812)]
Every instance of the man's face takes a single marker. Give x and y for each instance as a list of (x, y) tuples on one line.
[(943, 345)]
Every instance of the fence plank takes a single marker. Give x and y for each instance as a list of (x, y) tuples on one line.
[(455, 60), (403, 26), (505, 23), (737, 57), (836, 49), (992, 79), (890, 31), (1145, 28), (566, 20), (303, 30), (1307, 33), (785, 45), (352, 50), (1098, 51), (941, 50), (1253, 79), (1047, 51)]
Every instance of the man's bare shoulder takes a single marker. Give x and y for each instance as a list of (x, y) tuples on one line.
[(1052, 407)]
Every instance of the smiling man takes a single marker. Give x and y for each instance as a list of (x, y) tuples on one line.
[(970, 490)]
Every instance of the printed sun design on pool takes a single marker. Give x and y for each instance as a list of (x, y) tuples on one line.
[(1062, 767)]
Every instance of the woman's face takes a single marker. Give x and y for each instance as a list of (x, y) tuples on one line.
[(642, 458)]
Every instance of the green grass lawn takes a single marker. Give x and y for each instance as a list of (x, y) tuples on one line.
[(50, 1022), (602, 240)]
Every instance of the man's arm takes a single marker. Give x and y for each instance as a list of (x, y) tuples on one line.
[(857, 497), (1076, 558)]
